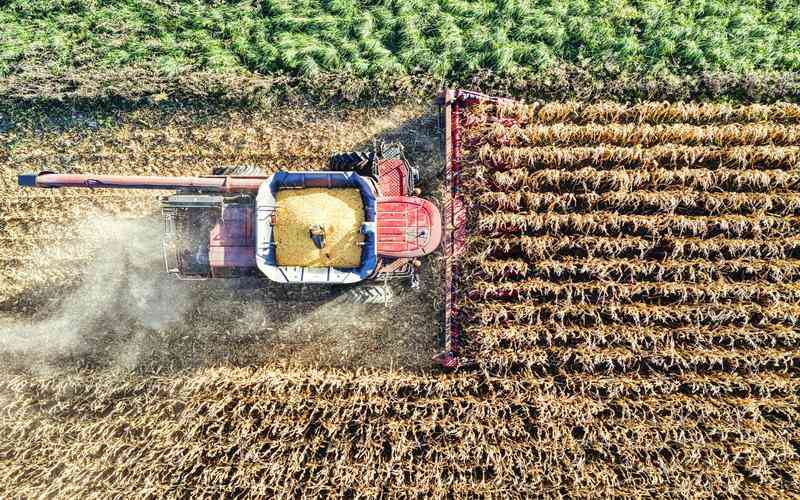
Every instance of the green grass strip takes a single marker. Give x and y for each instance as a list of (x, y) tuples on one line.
[(444, 40)]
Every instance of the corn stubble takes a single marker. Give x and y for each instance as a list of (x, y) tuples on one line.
[(630, 300)]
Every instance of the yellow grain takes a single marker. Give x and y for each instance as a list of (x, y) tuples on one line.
[(340, 211)]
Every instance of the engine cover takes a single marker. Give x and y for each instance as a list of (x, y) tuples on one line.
[(407, 226)]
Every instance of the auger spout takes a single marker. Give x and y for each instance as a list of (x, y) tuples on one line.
[(217, 184)]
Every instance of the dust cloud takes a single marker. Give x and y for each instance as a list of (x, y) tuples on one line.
[(122, 284)]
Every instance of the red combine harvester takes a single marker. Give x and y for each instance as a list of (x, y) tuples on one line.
[(221, 226)]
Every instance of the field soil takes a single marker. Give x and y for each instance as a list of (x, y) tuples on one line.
[(629, 304)]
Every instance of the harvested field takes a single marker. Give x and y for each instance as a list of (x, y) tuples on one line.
[(630, 310)]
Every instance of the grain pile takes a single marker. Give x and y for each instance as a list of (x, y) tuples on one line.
[(339, 211)]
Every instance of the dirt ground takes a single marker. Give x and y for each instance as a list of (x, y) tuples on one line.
[(84, 285)]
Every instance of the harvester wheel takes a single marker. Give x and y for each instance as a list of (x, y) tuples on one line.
[(239, 170), (392, 151), (354, 161), (366, 294)]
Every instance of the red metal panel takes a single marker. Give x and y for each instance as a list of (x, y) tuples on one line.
[(393, 176), (231, 242), (455, 215), (452, 207), (227, 257), (407, 226), (234, 229)]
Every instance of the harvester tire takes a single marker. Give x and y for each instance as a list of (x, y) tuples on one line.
[(392, 151), (353, 161), (366, 294), (239, 170)]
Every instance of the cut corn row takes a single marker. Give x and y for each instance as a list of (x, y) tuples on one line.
[(647, 112), (635, 157), (502, 313), (536, 290), (680, 202), (544, 247), (591, 180), (707, 272), (646, 338), (651, 226), (752, 134)]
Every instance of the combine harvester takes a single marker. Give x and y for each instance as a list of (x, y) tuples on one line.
[(228, 224), (224, 225)]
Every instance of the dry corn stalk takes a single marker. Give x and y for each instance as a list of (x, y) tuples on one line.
[(657, 156), (642, 135), (647, 112)]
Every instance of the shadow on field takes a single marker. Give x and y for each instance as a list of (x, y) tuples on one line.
[(125, 313)]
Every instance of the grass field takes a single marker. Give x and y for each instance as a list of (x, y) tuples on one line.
[(630, 298), (54, 47)]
